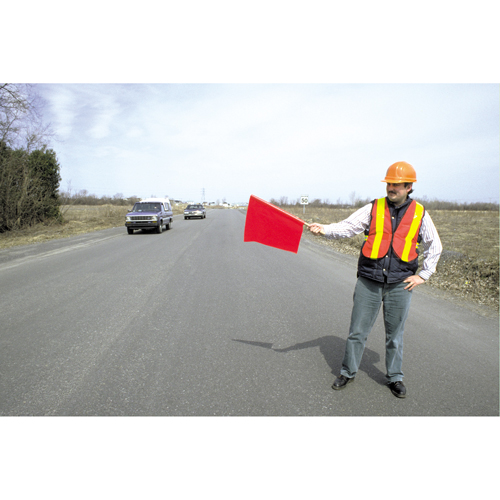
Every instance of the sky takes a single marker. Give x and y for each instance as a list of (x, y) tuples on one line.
[(330, 141)]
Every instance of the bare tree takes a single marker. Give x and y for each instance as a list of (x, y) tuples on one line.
[(353, 198), (21, 123)]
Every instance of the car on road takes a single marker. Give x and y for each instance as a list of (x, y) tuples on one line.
[(151, 213), (195, 211)]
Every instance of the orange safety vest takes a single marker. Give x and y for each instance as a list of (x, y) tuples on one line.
[(404, 241)]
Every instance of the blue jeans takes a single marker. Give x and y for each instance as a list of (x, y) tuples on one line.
[(368, 297)]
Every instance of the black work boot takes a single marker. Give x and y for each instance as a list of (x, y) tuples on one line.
[(341, 382)]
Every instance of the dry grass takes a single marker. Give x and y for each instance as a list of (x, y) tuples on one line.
[(469, 265), (78, 219), (470, 261)]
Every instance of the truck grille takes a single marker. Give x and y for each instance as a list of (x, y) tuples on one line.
[(140, 217)]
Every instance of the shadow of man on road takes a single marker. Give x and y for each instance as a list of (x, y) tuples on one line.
[(332, 349)]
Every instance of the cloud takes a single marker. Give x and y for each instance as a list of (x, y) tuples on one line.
[(276, 140)]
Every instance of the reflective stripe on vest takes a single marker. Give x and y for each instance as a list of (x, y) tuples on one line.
[(405, 239), (380, 234)]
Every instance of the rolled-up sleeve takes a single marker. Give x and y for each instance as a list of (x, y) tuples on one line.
[(353, 225), (432, 247)]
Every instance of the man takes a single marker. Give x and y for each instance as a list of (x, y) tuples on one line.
[(394, 228)]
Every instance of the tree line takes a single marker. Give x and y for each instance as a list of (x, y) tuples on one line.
[(83, 197), (357, 202), (29, 170)]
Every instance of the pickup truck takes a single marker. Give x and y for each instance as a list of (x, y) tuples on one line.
[(151, 213)]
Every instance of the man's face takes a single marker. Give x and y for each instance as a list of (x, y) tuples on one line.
[(397, 193)]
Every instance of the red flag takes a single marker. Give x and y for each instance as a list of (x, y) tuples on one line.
[(272, 226)]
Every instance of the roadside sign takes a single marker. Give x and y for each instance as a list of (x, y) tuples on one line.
[(304, 199)]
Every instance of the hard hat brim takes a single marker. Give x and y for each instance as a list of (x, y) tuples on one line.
[(398, 181)]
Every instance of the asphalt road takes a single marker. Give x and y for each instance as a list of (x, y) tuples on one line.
[(195, 322)]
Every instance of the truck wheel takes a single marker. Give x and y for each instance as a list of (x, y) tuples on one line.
[(130, 230), (168, 225), (159, 229)]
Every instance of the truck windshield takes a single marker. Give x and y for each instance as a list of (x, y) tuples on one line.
[(146, 207)]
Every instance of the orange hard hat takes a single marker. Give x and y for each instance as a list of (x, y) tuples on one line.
[(400, 172)]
